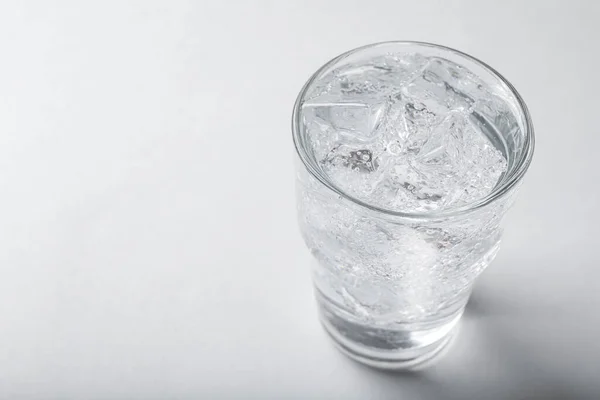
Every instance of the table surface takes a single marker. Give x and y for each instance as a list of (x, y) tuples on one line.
[(148, 242)]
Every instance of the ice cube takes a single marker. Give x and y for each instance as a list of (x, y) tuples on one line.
[(438, 87), (413, 186), (379, 76), (418, 121), (323, 138), (355, 168), (443, 146), (354, 119), (359, 160), (394, 126)]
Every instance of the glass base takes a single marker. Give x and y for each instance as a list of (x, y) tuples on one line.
[(411, 347)]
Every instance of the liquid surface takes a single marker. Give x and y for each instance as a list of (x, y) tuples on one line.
[(404, 132)]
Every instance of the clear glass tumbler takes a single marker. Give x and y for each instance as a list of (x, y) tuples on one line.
[(391, 285)]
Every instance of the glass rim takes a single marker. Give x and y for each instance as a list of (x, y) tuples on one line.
[(521, 164)]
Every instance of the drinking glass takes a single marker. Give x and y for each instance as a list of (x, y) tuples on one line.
[(391, 285)]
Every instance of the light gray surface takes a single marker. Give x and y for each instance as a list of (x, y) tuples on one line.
[(148, 242)]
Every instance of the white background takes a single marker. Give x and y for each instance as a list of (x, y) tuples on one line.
[(148, 242)]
